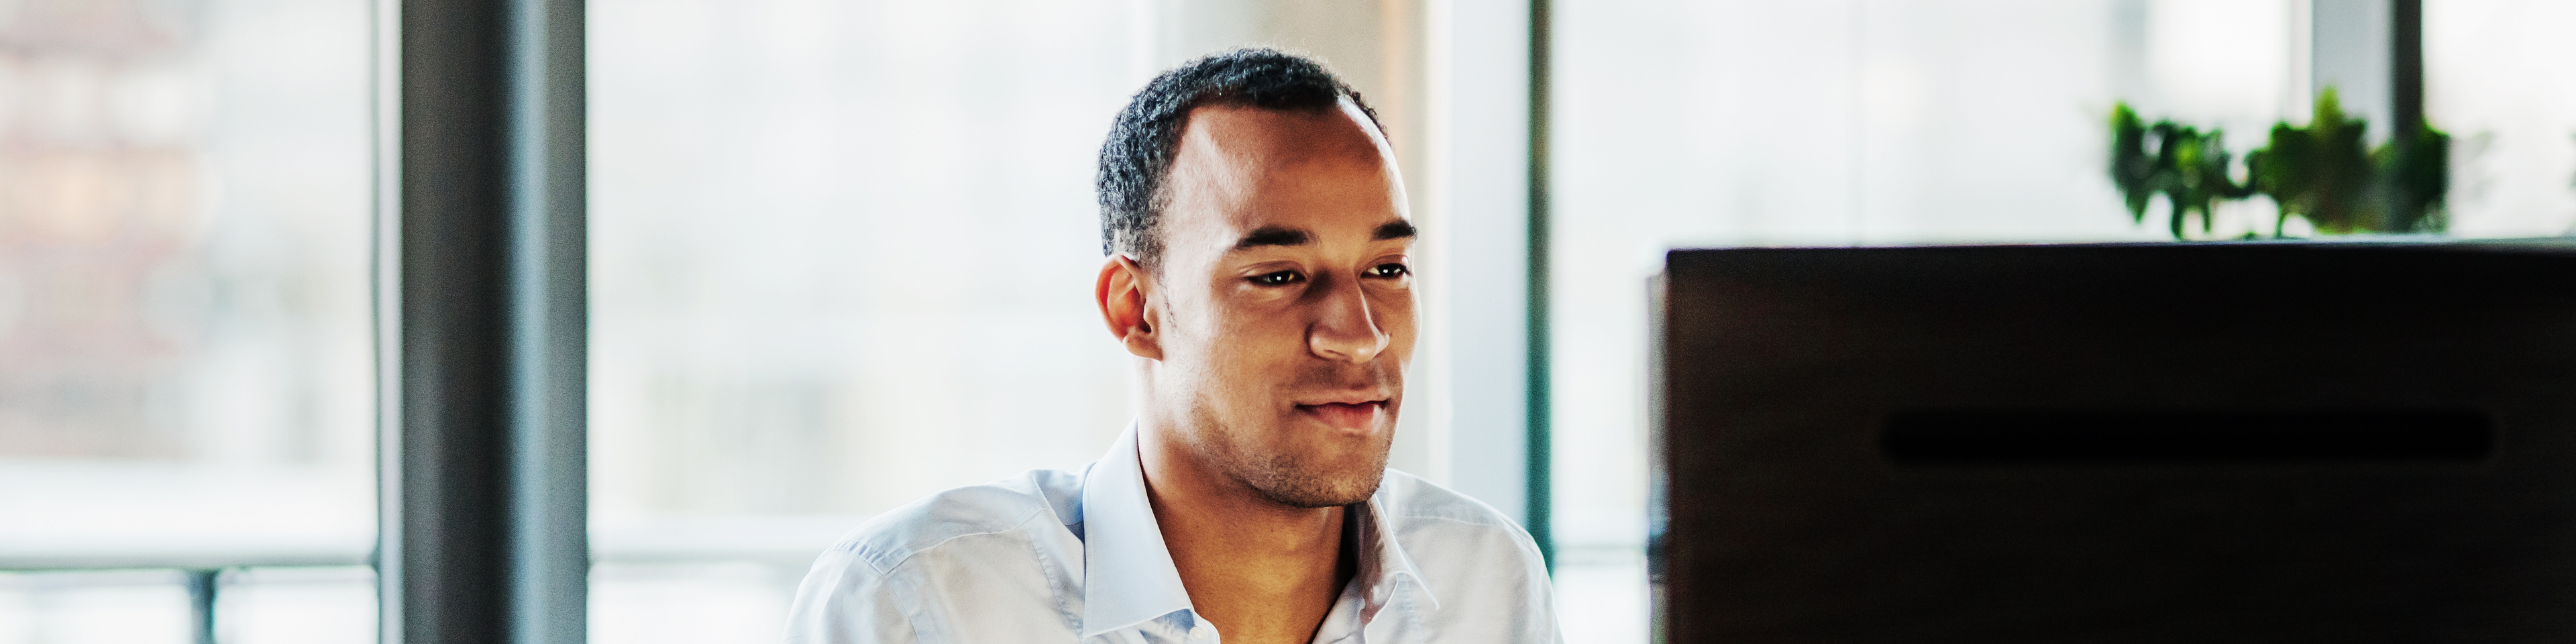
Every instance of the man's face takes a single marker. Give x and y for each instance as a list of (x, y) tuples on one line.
[(1285, 298)]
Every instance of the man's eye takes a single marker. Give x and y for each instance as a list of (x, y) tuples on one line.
[(1389, 270), (1281, 278)]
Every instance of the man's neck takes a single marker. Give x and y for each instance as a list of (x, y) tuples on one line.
[(1261, 571)]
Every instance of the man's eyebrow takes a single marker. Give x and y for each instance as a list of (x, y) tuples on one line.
[(1398, 229), (1283, 236), (1274, 236)]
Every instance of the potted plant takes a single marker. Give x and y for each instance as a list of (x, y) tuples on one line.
[(2322, 173)]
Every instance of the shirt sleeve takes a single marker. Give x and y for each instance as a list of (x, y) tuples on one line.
[(843, 600)]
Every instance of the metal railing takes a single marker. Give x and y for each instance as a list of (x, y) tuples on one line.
[(201, 576)]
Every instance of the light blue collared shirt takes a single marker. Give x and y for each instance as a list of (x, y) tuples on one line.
[(1056, 556)]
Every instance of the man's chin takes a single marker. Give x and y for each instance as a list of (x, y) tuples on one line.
[(1321, 494), (1322, 478)]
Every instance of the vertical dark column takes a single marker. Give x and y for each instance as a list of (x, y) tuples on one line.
[(454, 326), (1541, 497), (2406, 66), (483, 538)]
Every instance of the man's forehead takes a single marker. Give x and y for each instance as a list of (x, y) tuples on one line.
[(1352, 207), (1251, 134), (1248, 177)]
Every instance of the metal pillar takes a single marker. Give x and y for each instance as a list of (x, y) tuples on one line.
[(201, 583), (2406, 66), (2372, 52), (483, 535), (1542, 439)]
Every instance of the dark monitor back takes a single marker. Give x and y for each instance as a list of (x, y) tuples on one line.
[(2260, 442)]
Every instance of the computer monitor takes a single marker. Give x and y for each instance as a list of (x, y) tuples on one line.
[(2239, 442)]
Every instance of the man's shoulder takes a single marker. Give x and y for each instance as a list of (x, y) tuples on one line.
[(1477, 572), (1410, 500), (1040, 498)]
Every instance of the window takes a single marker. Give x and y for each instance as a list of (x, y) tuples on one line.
[(842, 258), (1874, 122), (2511, 114), (185, 376)]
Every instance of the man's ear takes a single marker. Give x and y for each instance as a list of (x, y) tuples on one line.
[(1122, 297)]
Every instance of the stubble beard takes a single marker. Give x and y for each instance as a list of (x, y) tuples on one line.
[(1293, 478)]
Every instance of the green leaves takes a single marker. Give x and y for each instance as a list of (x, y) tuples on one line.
[(2320, 172), (2186, 166)]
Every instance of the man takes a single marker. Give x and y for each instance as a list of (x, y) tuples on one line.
[(1259, 271)]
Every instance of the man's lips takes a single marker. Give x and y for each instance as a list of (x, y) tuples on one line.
[(1347, 415)]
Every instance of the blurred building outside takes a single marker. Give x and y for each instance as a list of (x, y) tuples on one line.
[(184, 363)]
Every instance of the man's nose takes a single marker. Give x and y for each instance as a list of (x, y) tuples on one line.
[(1344, 328)]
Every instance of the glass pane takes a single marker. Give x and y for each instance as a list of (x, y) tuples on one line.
[(120, 606), (842, 255), (1843, 123), (317, 605), (2493, 79), (1883, 122), (185, 376)]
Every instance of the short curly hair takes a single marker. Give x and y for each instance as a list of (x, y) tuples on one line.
[(1138, 155)]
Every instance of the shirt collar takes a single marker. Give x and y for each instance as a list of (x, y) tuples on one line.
[(1128, 576), (1383, 561)]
